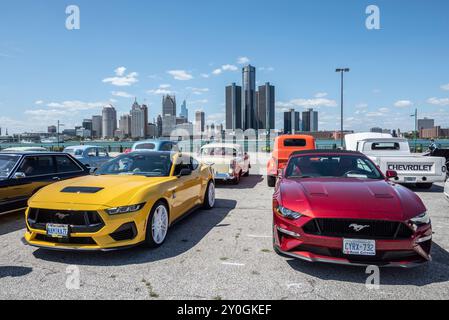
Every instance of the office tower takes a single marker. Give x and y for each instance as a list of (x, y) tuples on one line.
[(97, 126), (168, 105), (125, 125), (249, 113), (426, 123), (292, 122), (265, 107), (109, 121), (168, 125), (139, 120), (200, 119), (159, 126), (233, 107), (310, 121), (87, 125), (51, 130), (184, 111)]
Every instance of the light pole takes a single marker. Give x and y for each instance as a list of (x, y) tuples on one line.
[(416, 127), (57, 137), (342, 72)]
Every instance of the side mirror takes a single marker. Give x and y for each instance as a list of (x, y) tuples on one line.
[(185, 172), (19, 175), (391, 174), (280, 173)]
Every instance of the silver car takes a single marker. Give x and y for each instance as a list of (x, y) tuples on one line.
[(92, 156)]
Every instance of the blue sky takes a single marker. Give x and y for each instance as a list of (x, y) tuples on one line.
[(193, 49)]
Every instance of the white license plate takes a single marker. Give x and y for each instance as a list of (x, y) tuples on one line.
[(410, 179), (58, 230), (359, 247)]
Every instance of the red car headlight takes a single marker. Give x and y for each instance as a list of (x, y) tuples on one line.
[(289, 214)]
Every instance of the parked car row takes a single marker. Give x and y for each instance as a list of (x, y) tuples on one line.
[(330, 206)]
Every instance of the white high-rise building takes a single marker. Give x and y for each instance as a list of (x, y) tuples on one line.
[(139, 120)]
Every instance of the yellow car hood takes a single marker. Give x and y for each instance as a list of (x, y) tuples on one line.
[(112, 190)]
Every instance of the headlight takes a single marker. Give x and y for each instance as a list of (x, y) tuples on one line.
[(422, 219), (126, 209), (289, 214)]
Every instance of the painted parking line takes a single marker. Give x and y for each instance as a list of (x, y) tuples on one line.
[(233, 264), (259, 236)]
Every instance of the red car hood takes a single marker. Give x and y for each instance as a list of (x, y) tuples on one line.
[(350, 198)]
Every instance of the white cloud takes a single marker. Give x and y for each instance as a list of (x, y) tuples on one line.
[(217, 72), (308, 103), (39, 102), (266, 69), (216, 118), (75, 105), (205, 75), (243, 60), (162, 90), (229, 67), (439, 101), (361, 106), (321, 95), (198, 91), (403, 104), (181, 75), (202, 101), (121, 94), (445, 87), (121, 79)]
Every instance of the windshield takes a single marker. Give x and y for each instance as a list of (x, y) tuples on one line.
[(219, 152), (145, 146), (74, 152), (152, 165), (7, 163), (334, 166)]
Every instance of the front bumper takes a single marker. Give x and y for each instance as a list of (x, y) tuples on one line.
[(407, 179), (224, 176), (117, 232), (292, 241)]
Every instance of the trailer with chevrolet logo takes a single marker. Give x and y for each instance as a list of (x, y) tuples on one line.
[(394, 154)]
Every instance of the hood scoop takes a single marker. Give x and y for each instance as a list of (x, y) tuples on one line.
[(88, 190)]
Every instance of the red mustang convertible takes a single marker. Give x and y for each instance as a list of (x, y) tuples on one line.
[(338, 207)]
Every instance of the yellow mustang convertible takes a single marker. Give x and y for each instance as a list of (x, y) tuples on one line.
[(130, 200)]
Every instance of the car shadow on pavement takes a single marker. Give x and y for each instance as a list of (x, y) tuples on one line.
[(182, 237), (14, 271), (12, 222), (436, 271), (434, 189), (245, 183)]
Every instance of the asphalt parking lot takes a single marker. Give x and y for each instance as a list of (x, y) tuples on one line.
[(221, 254)]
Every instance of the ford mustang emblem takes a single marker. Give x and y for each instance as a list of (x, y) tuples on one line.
[(358, 227), (61, 216)]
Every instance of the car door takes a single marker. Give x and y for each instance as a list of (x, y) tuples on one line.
[(67, 168), (36, 172), (103, 157)]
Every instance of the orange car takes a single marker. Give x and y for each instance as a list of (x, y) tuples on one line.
[(284, 146)]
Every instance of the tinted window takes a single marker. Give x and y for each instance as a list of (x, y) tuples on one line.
[(185, 163), (166, 147), (332, 166), (92, 152), (295, 143), (65, 164), (145, 146), (7, 163), (36, 166), (151, 164), (385, 146)]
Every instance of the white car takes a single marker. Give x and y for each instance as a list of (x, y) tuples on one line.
[(229, 161), (390, 153)]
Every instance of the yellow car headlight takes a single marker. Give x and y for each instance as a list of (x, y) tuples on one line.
[(125, 209)]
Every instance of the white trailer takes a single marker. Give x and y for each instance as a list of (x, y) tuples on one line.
[(390, 153)]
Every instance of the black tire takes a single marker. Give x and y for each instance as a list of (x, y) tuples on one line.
[(206, 202), (247, 172), (236, 180), (271, 180), (424, 186), (149, 241)]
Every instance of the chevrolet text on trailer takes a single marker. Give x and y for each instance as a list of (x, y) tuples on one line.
[(394, 154)]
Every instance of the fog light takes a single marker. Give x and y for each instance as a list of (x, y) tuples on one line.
[(289, 233)]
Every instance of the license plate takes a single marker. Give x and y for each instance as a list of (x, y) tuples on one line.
[(58, 230), (410, 179), (359, 247)]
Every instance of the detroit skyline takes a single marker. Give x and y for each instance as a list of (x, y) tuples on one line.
[(50, 73)]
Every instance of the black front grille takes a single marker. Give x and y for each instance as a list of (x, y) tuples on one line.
[(79, 221), (366, 229), (80, 241)]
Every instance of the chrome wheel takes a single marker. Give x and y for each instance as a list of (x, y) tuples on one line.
[(211, 195), (159, 224)]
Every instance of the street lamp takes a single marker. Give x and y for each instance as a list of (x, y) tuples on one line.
[(342, 72)]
